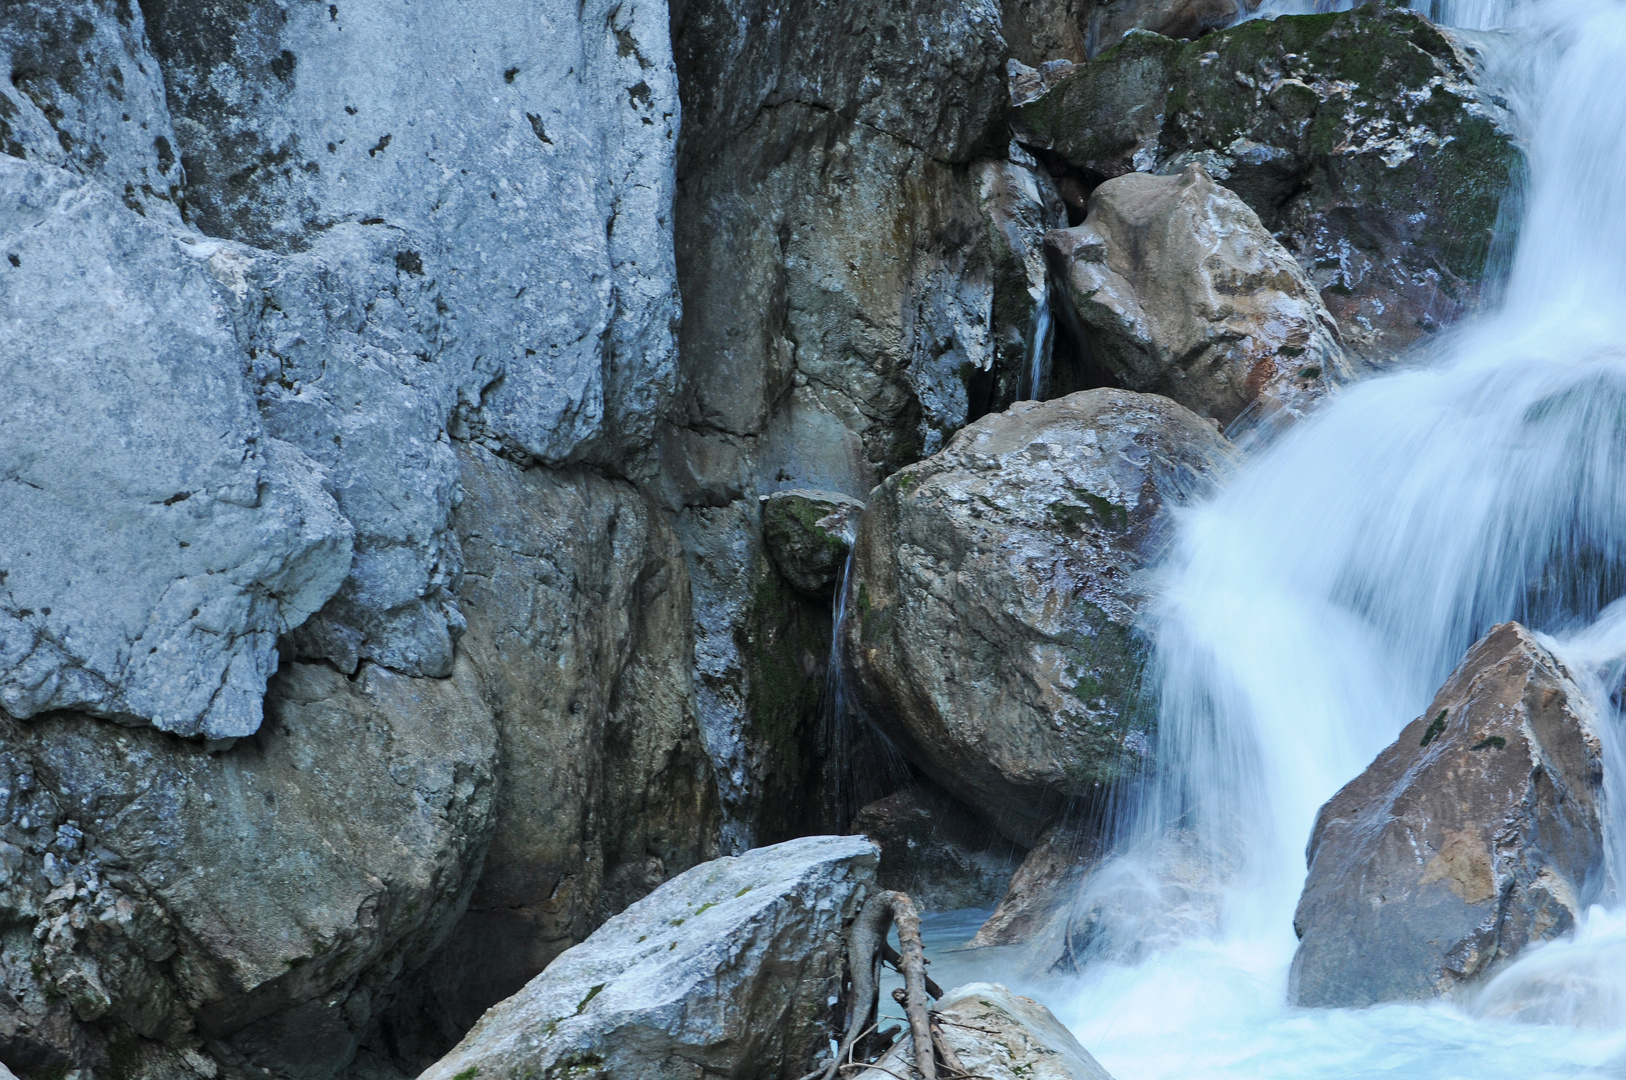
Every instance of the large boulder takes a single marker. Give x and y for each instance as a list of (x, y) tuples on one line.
[(728, 970), (1477, 833), (993, 635), (1183, 292), (578, 608), (158, 539), (1361, 139), (996, 1035), (175, 910)]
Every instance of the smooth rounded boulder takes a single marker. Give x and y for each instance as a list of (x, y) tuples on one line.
[(1182, 291), (991, 630)]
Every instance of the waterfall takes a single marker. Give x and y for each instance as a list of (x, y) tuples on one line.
[(1041, 340), (1313, 607)]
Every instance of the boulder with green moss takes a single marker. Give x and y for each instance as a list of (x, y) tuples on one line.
[(808, 534), (992, 633), (1363, 139)]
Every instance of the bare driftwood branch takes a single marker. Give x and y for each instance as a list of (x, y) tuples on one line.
[(866, 948)]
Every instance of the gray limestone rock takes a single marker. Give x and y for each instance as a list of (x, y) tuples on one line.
[(1477, 833), (524, 152), (84, 92), (159, 539), (246, 910), (1182, 292), (577, 600), (996, 1035), (338, 337), (726, 970), (994, 631), (1043, 893), (808, 534)]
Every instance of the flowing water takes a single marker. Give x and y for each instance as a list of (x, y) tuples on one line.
[(1312, 609)]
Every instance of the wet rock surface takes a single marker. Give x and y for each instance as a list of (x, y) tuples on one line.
[(1476, 834), (808, 534), (936, 850), (994, 630), (998, 1035), (1361, 139), (1182, 292), (726, 970), (178, 911), (1043, 893)]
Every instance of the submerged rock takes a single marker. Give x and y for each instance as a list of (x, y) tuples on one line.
[(184, 910), (996, 1035), (1360, 138), (993, 632), (936, 850), (1183, 292), (727, 970), (808, 534), (1477, 833)]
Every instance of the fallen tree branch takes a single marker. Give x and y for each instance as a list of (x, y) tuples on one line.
[(866, 947)]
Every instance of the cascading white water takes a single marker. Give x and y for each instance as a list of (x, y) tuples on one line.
[(1314, 606)]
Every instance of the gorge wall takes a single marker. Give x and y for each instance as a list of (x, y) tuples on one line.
[(389, 396)]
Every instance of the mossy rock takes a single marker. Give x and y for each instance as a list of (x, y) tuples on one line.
[(808, 534), (1360, 138)]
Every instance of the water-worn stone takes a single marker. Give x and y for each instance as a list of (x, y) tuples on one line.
[(1043, 892), (936, 850), (1183, 292), (166, 911), (157, 540), (808, 534), (1479, 832), (726, 970), (993, 636), (578, 610), (996, 1035), (1360, 138)]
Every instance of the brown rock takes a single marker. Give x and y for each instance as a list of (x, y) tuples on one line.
[(1183, 292), (1477, 833)]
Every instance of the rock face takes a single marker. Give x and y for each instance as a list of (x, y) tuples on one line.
[(726, 970), (996, 598), (387, 257), (850, 302), (1182, 292), (159, 539), (1359, 138), (1477, 833), (808, 535), (937, 850), (577, 601), (998, 1035), (158, 899), (533, 188)]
